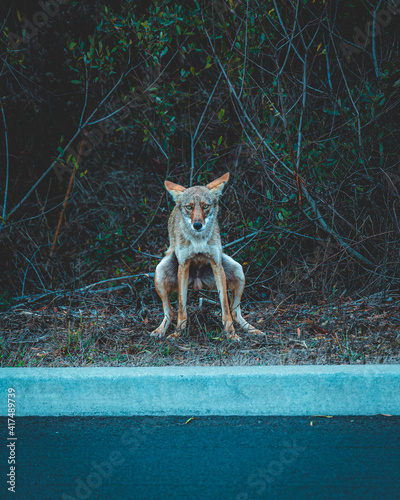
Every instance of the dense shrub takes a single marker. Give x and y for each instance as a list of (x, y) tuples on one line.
[(281, 95)]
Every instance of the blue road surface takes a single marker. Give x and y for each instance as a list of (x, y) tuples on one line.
[(239, 458)]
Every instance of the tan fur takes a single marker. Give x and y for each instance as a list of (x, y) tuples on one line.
[(195, 257)]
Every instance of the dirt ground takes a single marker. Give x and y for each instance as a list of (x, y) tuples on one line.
[(107, 328)]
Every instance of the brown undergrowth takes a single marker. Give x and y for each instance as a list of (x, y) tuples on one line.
[(107, 329)]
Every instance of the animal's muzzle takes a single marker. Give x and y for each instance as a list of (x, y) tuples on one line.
[(197, 226)]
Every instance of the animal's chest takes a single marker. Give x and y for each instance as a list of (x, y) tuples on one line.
[(198, 253)]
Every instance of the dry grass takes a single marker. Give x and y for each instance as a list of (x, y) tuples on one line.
[(107, 329)]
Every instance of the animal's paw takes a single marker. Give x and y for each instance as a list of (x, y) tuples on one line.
[(233, 336), (254, 331), (158, 333), (180, 328), (229, 329), (175, 335)]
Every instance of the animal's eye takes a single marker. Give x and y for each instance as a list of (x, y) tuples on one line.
[(206, 207), (189, 207)]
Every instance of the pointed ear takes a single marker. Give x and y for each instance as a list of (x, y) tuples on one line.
[(218, 185), (175, 189)]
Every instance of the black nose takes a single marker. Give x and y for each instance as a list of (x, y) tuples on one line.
[(197, 226)]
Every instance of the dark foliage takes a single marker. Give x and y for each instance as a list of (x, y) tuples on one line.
[(299, 101)]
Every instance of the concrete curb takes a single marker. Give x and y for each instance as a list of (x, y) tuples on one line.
[(262, 390)]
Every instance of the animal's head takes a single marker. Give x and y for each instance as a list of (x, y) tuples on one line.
[(198, 204)]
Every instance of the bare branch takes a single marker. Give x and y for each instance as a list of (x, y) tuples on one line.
[(7, 163)]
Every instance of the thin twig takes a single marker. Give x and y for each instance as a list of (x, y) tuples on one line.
[(251, 235), (245, 49), (63, 293), (64, 206), (27, 268), (7, 163), (350, 95), (373, 39), (87, 287), (86, 96)]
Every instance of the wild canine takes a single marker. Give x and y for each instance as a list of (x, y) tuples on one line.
[(195, 257)]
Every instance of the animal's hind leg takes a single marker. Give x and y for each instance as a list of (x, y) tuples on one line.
[(165, 284), (235, 281)]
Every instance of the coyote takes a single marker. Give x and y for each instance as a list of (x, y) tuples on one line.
[(195, 257)]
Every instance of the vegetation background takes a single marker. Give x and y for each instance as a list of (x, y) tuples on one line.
[(101, 101)]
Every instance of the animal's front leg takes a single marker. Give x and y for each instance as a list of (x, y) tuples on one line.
[(183, 282), (168, 315), (220, 281)]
